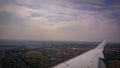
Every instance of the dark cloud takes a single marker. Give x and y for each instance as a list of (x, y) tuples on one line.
[(6, 17), (6, 2), (111, 2)]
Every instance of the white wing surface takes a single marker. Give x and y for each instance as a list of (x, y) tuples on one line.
[(90, 59)]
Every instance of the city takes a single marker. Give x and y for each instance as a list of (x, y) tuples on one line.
[(46, 54)]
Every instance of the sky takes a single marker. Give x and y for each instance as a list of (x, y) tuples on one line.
[(60, 20)]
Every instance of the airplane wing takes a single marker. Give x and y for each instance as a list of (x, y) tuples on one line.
[(90, 59)]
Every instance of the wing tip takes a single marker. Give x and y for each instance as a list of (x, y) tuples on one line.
[(102, 44)]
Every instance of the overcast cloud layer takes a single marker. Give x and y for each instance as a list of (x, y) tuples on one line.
[(66, 20)]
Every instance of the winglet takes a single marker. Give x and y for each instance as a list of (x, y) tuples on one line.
[(101, 45)]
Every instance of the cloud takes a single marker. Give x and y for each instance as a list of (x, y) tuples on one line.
[(59, 20)]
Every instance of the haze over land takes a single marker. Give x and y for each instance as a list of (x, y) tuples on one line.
[(67, 20)]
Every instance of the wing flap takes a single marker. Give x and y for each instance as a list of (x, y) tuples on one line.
[(101, 63)]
